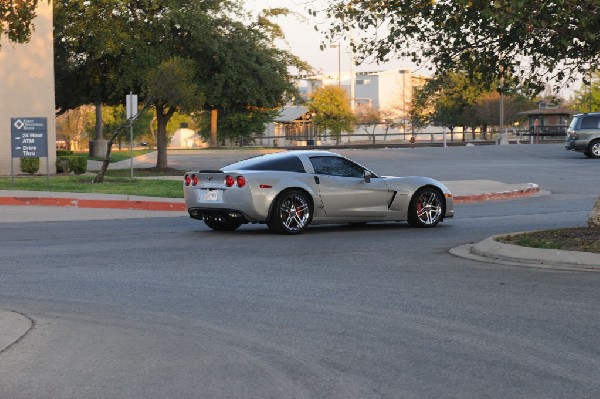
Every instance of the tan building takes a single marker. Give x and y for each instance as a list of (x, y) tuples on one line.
[(27, 87)]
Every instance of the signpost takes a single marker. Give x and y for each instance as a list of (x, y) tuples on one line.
[(29, 139), (131, 105)]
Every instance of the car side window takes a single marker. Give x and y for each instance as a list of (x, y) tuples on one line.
[(336, 166), (590, 122)]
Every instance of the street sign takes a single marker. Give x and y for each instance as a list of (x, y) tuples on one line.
[(131, 105), (29, 137)]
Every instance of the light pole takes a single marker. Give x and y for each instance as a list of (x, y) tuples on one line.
[(339, 47)]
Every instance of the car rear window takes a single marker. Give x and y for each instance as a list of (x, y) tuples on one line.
[(289, 163), (590, 122)]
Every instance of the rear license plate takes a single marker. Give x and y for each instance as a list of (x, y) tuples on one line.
[(209, 195)]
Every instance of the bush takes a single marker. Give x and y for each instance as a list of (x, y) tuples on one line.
[(77, 165), (62, 153), (30, 165), (71, 163), (62, 163)]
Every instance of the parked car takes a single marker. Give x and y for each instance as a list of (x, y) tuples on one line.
[(583, 134), (288, 191)]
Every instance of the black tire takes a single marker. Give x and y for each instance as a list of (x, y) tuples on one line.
[(291, 212), (222, 224), (593, 150), (426, 208)]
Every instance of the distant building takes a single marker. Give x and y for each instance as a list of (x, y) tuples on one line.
[(292, 127), (548, 120), (186, 138), (27, 87), (390, 91)]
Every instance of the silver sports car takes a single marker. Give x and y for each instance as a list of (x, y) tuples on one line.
[(290, 190)]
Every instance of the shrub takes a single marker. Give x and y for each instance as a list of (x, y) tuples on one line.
[(62, 153), (62, 163), (30, 165), (71, 163), (77, 165)]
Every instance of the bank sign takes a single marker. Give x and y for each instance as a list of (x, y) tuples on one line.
[(29, 137)]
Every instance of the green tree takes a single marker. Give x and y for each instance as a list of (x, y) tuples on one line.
[(16, 19), (443, 101), (454, 100), (172, 88), (536, 39), (587, 98), (117, 46), (331, 107)]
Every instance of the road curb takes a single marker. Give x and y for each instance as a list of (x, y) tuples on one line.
[(143, 205), (528, 190), (492, 251)]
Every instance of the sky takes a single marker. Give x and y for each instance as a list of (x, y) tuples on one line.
[(304, 41)]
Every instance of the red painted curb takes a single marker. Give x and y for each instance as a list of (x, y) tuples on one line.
[(497, 196), (92, 203)]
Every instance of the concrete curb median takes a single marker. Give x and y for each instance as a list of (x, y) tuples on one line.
[(492, 251), (529, 189)]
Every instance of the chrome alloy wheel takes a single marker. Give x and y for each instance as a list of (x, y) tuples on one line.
[(426, 208), (429, 208), (294, 212)]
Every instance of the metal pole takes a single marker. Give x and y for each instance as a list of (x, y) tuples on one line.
[(501, 92), (339, 65), (131, 147), (131, 114)]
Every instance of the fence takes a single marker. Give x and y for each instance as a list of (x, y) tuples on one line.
[(402, 139)]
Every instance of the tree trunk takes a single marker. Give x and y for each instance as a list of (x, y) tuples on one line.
[(106, 161), (99, 134), (162, 118)]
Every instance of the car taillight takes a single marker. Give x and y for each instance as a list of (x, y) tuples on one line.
[(240, 181), (194, 180), (187, 179)]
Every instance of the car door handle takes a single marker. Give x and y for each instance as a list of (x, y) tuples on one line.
[(317, 179)]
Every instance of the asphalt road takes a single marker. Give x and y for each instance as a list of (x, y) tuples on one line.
[(165, 308)]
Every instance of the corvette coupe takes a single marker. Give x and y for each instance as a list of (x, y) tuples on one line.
[(288, 191)]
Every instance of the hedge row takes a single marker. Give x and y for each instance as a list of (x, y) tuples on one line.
[(66, 162)]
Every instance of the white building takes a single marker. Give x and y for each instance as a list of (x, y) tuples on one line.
[(389, 92), (186, 138), (386, 91), (27, 87)]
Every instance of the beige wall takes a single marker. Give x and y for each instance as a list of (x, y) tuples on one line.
[(27, 87)]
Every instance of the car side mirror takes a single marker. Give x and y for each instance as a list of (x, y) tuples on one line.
[(367, 175)]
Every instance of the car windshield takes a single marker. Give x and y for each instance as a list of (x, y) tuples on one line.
[(287, 163)]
